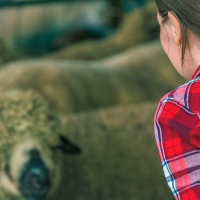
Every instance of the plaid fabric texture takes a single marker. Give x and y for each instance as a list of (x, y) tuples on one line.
[(177, 133)]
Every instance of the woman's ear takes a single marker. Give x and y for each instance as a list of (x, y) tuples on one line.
[(176, 28)]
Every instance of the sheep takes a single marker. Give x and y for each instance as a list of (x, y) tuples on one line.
[(31, 135), (119, 158), (137, 27), (74, 86)]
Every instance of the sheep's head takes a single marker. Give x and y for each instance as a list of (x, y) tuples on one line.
[(29, 142)]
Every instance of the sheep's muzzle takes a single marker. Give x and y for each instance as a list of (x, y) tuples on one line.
[(34, 179)]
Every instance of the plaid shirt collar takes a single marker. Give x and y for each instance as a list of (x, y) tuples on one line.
[(196, 72)]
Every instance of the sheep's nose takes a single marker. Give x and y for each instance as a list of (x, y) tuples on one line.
[(34, 179)]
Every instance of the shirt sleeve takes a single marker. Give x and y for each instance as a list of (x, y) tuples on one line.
[(177, 132)]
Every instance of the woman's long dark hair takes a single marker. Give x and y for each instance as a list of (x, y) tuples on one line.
[(188, 14)]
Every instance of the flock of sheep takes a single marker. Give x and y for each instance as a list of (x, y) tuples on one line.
[(54, 107)]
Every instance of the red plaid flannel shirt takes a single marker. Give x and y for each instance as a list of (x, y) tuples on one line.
[(177, 132)]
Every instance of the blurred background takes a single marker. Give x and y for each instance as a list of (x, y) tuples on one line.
[(36, 27)]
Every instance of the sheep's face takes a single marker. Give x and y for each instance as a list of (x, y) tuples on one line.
[(30, 144), (33, 170)]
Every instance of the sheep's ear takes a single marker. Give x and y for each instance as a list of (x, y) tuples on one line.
[(67, 147)]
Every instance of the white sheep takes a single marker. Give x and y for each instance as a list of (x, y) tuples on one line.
[(119, 158), (30, 140), (72, 86)]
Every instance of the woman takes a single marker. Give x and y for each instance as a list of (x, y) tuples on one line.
[(177, 119)]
